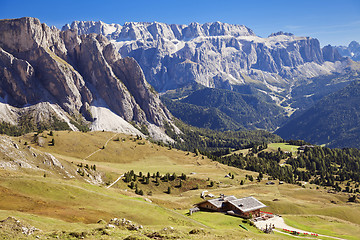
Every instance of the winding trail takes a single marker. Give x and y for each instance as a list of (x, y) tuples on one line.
[(101, 148), (115, 181)]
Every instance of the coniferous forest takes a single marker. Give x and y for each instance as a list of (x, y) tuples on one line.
[(318, 165), (315, 164)]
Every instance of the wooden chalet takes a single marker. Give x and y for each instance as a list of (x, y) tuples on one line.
[(241, 207), (216, 204)]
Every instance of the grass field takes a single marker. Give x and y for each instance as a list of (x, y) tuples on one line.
[(272, 147), (283, 146), (325, 225), (55, 202)]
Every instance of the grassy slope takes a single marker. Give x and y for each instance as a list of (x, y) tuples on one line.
[(325, 225), (55, 203), (272, 147)]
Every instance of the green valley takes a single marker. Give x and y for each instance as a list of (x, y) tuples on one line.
[(67, 196)]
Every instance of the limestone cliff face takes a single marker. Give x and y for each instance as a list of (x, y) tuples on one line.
[(214, 54), (38, 63)]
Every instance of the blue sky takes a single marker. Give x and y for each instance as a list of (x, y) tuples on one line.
[(332, 22)]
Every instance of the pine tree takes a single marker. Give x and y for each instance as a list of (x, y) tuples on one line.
[(136, 189)]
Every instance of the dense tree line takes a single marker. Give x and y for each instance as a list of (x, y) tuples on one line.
[(319, 165), (329, 165)]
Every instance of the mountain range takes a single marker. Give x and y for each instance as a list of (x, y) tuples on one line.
[(213, 75), (216, 54), (263, 79)]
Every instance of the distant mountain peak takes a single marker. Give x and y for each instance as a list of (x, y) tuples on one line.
[(352, 51), (354, 44), (281, 33)]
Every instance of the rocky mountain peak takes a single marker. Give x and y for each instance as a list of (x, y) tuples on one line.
[(352, 51), (80, 73), (330, 53), (26, 34), (354, 45)]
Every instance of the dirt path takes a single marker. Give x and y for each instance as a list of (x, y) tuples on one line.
[(115, 181), (279, 223), (100, 148)]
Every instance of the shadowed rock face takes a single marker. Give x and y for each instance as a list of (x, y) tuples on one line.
[(214, 54), (39, 63)]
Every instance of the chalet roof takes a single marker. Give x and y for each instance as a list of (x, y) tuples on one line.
[(247, 204), (218, 202)]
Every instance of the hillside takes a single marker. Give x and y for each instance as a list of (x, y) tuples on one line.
[(334, 120), (72, 207), (307, 93), (199, 116), (234, 110)]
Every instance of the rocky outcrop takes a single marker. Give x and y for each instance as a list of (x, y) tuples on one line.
[(17, 79), (215, 54), (330, 53), (41, 64)]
